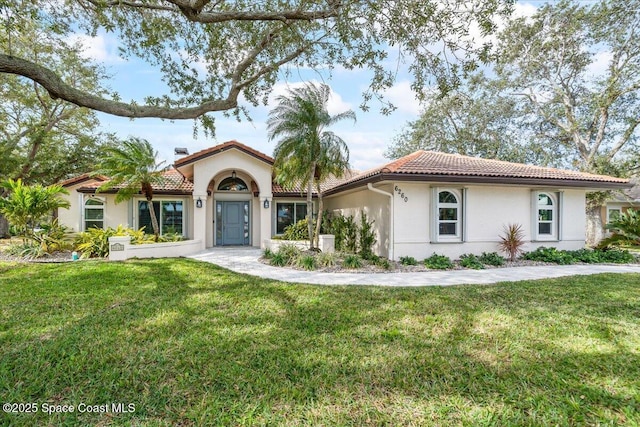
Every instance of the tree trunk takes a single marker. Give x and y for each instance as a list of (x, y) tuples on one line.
[(595, 231), (4, 227), (319, 218), (310, 204), (154, 220)]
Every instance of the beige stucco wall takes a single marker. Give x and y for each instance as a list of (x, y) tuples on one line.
[(488, 210), (114, 214), (218, 167), (375, 205)]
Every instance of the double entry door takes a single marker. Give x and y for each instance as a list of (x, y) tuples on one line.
[(232, 223)]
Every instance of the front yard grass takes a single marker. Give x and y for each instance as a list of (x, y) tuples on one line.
[(189, 343)]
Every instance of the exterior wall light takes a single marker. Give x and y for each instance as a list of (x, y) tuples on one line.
[(199, 203), (266, 204)]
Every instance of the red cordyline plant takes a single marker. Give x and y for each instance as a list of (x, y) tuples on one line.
[(512, 240)]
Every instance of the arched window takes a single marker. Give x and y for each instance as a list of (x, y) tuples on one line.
[(232, 184), (449, 215), (94, 213), (547, 220)]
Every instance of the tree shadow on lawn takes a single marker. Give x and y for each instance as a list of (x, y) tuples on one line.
[(193, 343)]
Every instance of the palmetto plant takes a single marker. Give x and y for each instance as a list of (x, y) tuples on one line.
[(306, 153), (26, 206), (133, 168), (625, 229), (512, 240)]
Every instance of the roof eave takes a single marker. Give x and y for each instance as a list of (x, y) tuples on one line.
[(418, 177)]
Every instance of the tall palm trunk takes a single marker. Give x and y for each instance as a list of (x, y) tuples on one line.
[(320, 212), (312, 171), (154, 220)]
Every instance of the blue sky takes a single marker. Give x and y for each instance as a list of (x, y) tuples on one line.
[(368, 138)]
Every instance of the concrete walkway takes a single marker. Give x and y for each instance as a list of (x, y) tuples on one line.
[(245, 260)]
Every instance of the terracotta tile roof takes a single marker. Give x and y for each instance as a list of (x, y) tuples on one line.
[(630, 195), (172, 183), (219, 149), (82, 178), (430, 164), (297, 189)]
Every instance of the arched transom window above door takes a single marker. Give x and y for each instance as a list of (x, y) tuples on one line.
[(233, 183)]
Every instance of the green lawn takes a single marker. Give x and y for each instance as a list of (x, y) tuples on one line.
[(190, 344)]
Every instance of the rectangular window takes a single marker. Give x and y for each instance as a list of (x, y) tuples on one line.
[(288, 213), (94, 213), (169, 214)]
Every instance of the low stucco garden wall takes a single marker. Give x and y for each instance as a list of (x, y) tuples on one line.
[(120, 249), (326, 243)]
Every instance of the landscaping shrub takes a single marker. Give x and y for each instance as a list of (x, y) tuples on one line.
[(267, 253), (408, 260), (587, 256), (327, 259), (471, 261), (278, 260), (308, 262), (350, 235), (625, 229), (512, 240), (335, 224), (289, 252), (297, 231), (382, 263), (438, 262), (367, 237), (491, 258), (616, 256), (94, 243), (551, 255), (352, 261), (26, 249)]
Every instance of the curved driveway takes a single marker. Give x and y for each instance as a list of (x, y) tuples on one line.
[(245, 260)]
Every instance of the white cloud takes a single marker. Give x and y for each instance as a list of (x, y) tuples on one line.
[(601, 61), (101, 48), (335, 105), (403, 97)]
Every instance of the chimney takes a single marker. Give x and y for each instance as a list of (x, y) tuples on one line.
[(179, 152)]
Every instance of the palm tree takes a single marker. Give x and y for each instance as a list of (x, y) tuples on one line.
[(26, 206), (133, 168), (306, 153)]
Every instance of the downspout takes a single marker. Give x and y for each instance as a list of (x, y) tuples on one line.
[(391, 209)]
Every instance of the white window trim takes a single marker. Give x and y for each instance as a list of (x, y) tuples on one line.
[(274, 204), (84, 207), (556, 223), (613, 208), (460, 194)]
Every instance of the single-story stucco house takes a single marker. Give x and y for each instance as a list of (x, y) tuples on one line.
[(422, 203)]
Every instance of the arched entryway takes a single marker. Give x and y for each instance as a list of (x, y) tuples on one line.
[(233, 203)]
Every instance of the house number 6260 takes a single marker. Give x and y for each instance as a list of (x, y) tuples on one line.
[(402, 196)]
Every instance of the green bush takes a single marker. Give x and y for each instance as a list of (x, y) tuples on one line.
[(352, 261), (308, 262), (382, 263), (278, 260), (625, 230), (327, 259), (438, 262), (587, 256), (297, 231), (267, 253), (491, 258), (367, 237), (616, 256), (289, 252), (408, 260), (26, 249), (94, 243), (471, 261), (350, 235), (551, 255)]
